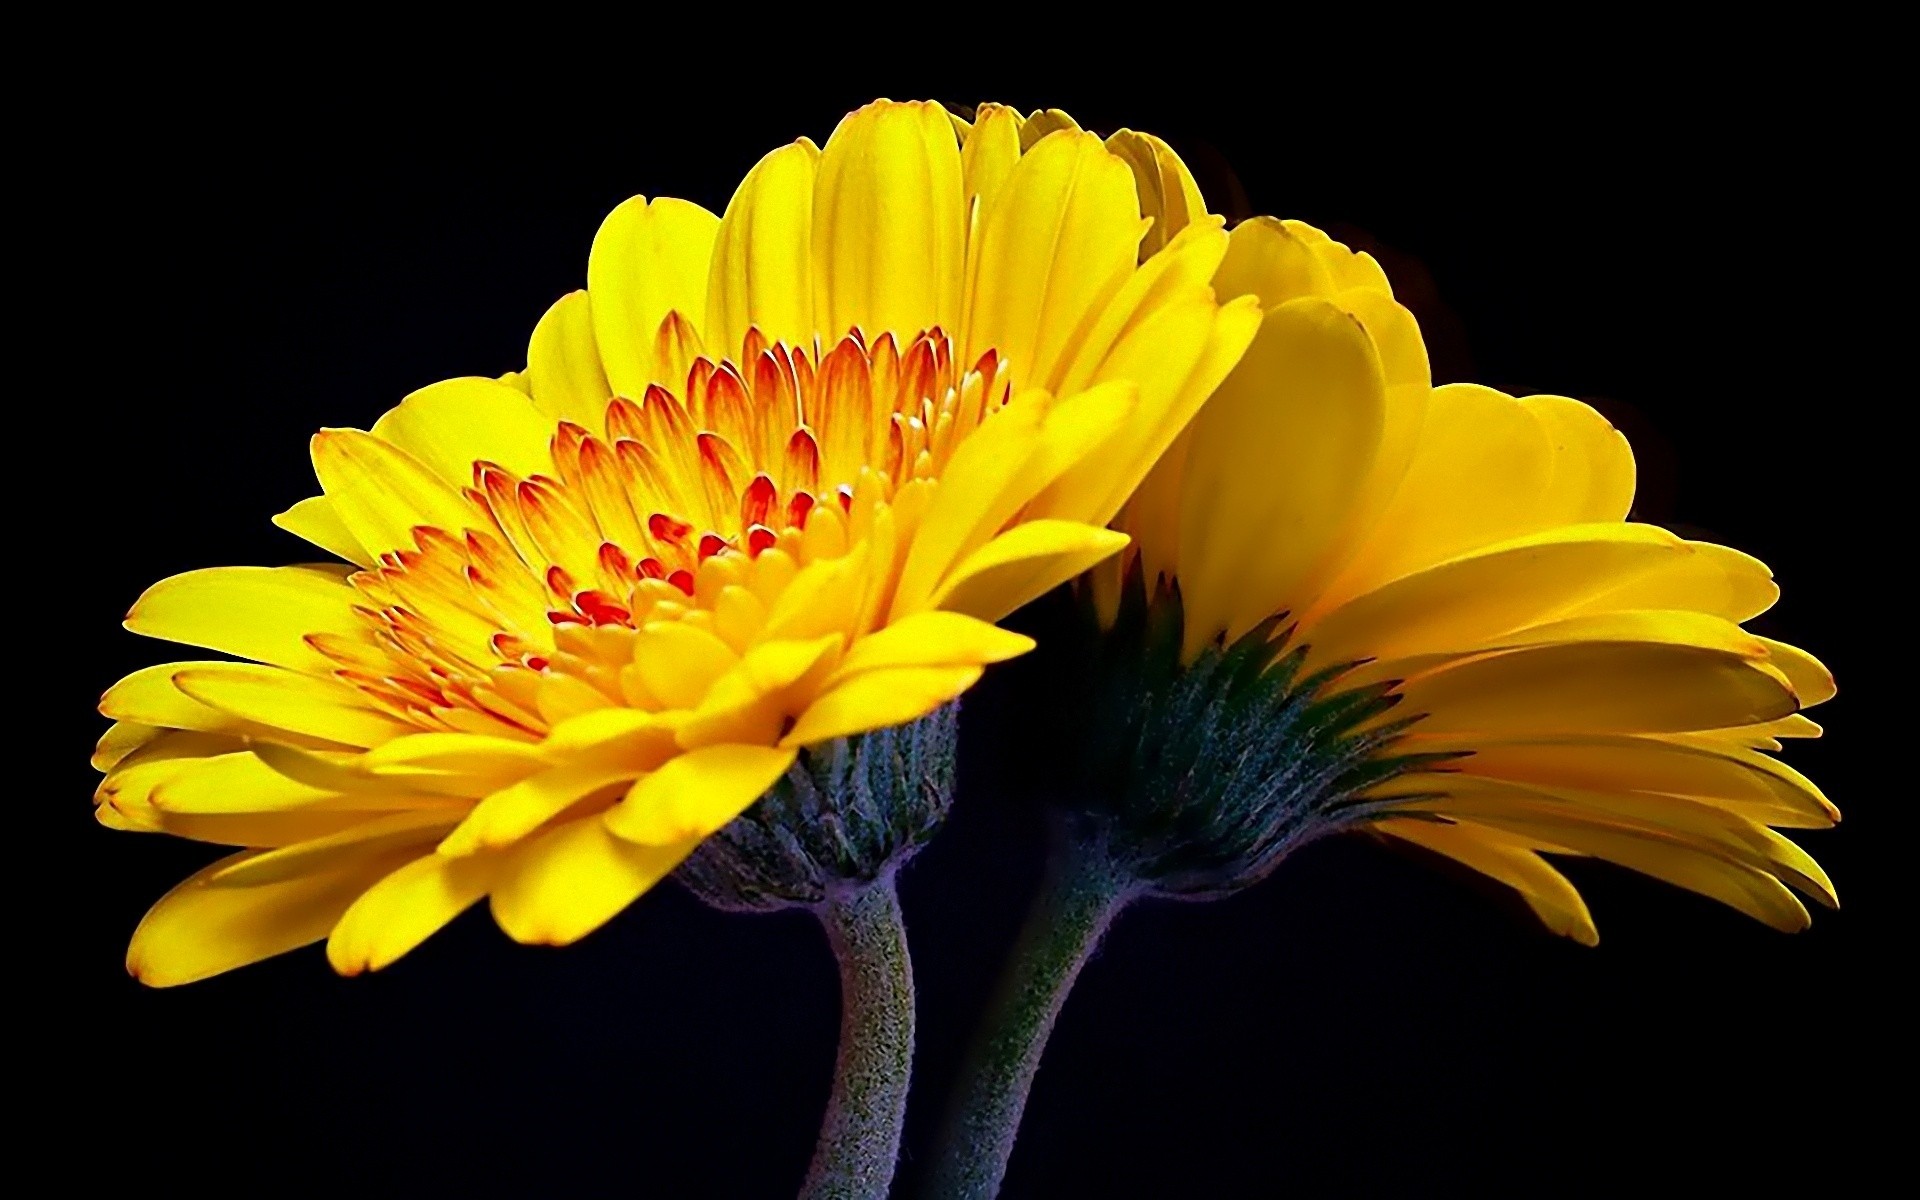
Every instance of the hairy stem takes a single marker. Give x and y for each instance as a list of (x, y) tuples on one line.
[(860, 1135), (1082, 894)]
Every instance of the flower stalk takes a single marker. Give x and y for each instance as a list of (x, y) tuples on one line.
[(860, 1134), (1084, 890)]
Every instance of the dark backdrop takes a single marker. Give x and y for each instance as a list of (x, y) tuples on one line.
[(1357, 1025)]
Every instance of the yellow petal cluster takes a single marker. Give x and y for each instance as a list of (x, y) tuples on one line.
[(1588, 674), (768, 480)]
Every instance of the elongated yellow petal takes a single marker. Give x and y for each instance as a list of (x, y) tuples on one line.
[(315, 520), (649, 259), (934, 639), (1477, 478), (516, 811), (1707, 828), (1061, 237), (377, 836), (566, 883), (262, 613), (1593, 471), (1511, 861), (762, 271), (198, 930), (1742, 781), (451, 425), (878, 699), (1267, 259), (693, 794), (233, 783), (381, 493), (1023, 564), (1248, 538), (405, 908), (1600, 688), (149, 696), (1460, 604), (1168, 195), (751, 702), (563, 365), (1811, 680), (992, 148), (1173, 386), (889, 222), (281, 700), (121, 739), (1755, 893), (1712, 579)]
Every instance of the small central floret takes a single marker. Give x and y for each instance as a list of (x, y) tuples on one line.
[(664, 512)]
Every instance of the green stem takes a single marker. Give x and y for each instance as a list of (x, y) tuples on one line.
[(1082, 894), (860, 1135)]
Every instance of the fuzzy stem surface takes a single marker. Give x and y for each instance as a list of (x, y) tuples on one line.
[(1083, 891), (860, 1135)]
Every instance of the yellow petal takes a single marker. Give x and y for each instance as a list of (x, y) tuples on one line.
[(233, 783), (751, 702), (982, 469), (1022, 564), (1460, 604), (879, 699), (1249, 533), (1712, 579), (516, 811), (282, 700), (676, 663), (1706, 828), (933, 639), (262, 613), (1742, 781), (762, 272), (568, 882), (1267, 259), (648, 259), (1477, 477), (405, 908), (1593, 472), (1606, 687), (889, 222), (150, 697), (1168, 195), (121, 739), (315, 520), (381, 493), (198, 930), (1511, 861), (455, 754), (1811, 680), (1061, 237), (1665, 626), (379, 835), (563, 365), (1755, 893), (988, 158), (448, 426), (693, 794), (1179, 357)]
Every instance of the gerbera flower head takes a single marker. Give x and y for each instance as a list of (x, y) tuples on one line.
[(1358, 601), (764, 484)]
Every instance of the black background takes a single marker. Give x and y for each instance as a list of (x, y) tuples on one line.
[(1685, 258)]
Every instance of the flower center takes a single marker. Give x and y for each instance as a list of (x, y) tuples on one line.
[(694, 507)]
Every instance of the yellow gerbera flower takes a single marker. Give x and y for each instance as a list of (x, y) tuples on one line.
[(764, 483), (1356, 601), (1563, 680)]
